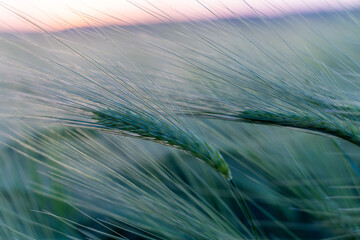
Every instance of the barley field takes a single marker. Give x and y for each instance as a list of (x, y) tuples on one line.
[(229, 128)]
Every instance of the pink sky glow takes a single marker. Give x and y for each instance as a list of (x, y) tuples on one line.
[(54, 15)]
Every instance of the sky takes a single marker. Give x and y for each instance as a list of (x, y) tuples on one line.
[(55, 15)]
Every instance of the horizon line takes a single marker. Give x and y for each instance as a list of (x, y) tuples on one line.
[(148, 18)]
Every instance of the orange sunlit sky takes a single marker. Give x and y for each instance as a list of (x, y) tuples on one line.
[(54, 15)]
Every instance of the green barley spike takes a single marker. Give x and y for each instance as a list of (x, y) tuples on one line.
[(149, 128)]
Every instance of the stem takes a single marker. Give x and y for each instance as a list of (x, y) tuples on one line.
[(246, 208)]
